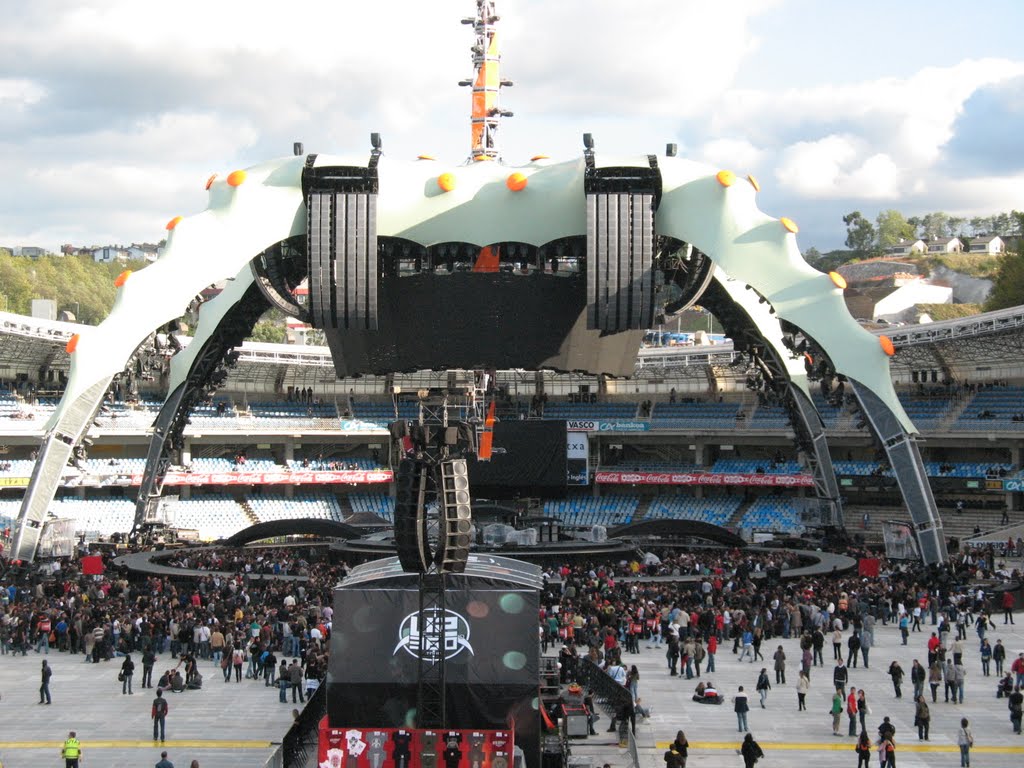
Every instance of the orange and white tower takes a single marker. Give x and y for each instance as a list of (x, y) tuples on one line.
[(486, 83)]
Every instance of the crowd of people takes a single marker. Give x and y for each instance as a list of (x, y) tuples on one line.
[(600, 613), (240, 619)]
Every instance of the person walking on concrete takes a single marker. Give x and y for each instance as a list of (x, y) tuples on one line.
[(164, 762), (922, 718), (780, 666), (840, 676), (802, 686), (763, 686), (896, 673), (751, 751), (295, 678), (71, 752), (126, 674), (965, 739), (837, 711), (159, 715), (740, 707), (851, 710), (44, 688)]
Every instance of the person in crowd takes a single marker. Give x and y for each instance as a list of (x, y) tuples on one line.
[(763, 686), (803, 685), (863, 749), (751, 751), (158, 713), (1015, 703), (965, 739), (741, 708), (126, 674), (922, 718), (851, 710), (44, 687), (896, 673), (837, 711)]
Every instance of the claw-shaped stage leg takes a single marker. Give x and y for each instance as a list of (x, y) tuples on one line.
[(223, 323), (248, 212)]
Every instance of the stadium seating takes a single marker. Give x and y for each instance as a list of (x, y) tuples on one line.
[(926, 412), (374, 503), (96, 517), (772, 513), (694, 416), (213, 515), (340, 463), (717, 509), (591, 411), (384, 413), (587, 511), (993, 409), (755, 466), (268, 506), (768, 417)]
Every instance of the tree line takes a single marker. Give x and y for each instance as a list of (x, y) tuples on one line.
[(891, 227)]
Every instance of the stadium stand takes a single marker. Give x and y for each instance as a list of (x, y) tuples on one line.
[(765, 466), (592, 411), (695, 415), (714, 509), (772, 513), (586, 510), (373, 503), (212, 515), (994, 408), (319, 506)]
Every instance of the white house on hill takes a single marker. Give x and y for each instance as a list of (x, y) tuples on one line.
[(990, 244), (945, 245), (906, 248)]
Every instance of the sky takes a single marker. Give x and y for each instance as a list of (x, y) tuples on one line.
[(113, 113)]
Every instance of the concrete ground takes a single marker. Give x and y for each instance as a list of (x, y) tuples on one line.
[(236, 724), (788, 736), (223, 725)]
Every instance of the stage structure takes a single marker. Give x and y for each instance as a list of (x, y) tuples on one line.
[(484, 631), (425, 264)]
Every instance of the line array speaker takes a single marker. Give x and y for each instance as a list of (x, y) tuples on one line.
[(453, 552), (411, 542)]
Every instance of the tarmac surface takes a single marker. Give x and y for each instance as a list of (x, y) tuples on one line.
[(789, 737), (222, 725)]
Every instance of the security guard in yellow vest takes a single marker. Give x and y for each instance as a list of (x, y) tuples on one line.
[(71, 751)]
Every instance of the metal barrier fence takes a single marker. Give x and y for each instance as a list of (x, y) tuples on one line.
[(299, 745), (603, 689)]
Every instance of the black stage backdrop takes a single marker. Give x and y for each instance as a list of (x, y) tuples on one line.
[(472, 320), (528, 460)]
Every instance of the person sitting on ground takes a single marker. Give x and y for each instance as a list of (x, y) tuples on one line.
[(1005, 687), (177, 682), (707, 696), (196, 683), (164, 683)]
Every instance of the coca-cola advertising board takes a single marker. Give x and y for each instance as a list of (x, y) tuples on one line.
[(703, 478)]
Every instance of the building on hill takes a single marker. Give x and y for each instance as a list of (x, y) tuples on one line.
[(906, 248), (31, 251), (110, 253), (946, 245), (991, 245)]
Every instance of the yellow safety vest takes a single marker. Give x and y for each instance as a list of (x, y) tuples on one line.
[(72, 749)]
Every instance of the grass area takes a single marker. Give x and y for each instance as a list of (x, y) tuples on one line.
[(939, 312), (981, 265)]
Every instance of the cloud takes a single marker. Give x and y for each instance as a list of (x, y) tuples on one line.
[(987, 133)]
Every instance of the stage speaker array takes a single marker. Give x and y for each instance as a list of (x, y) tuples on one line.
[(458, 516), (410, 518)]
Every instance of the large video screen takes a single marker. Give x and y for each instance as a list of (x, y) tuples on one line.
[(529, 459)]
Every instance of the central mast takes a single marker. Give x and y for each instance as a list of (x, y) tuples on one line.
[(486, 84)]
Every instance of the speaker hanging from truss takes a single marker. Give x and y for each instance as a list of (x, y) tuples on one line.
[(453, 549)]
